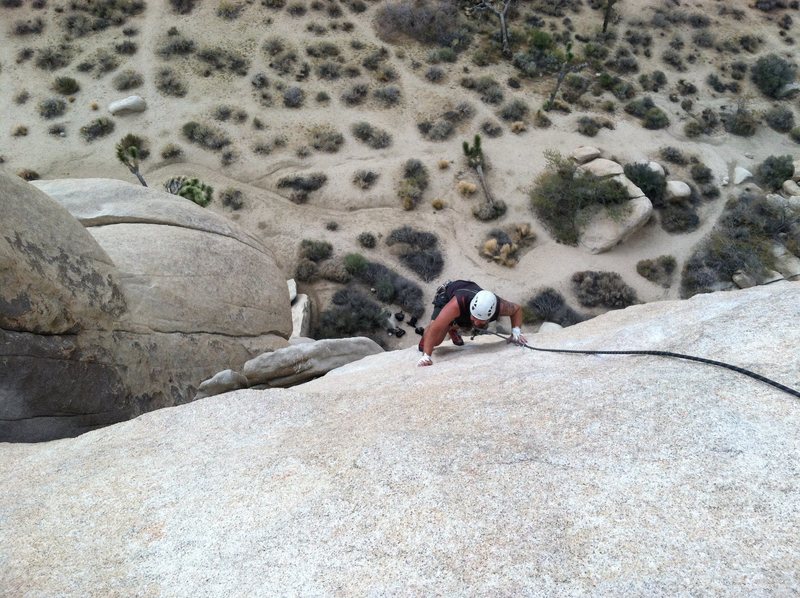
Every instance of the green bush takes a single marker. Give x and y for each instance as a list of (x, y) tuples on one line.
[(425, 21), (770, 73), (701, 173), (190, 188), (659, 270), (355, 263), (66, 86), (604, 289), (742, 122), (316, 251), (560, 197), (679, 218), (653, 184), (773, 171), (655, 118), (673, 155)]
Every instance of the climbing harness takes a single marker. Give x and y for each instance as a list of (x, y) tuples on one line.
[(759, 377)]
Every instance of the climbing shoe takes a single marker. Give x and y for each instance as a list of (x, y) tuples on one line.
[(419, 346), (456, 337)]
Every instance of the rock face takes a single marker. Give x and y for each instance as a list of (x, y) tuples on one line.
[(604, 232), (101, 324), (545, 474), (299, 363), (127, 105)]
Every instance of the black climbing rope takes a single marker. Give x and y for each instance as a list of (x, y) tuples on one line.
[(735, 368)]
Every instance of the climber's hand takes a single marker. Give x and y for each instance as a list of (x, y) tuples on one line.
[(425, 360), (517, 337)]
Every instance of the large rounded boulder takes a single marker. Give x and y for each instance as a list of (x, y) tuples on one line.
[(116, 299)]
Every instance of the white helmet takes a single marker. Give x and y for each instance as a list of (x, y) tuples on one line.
[(483, 305)]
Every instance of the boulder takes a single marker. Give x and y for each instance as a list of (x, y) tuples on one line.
[(300, 363), (743, 280), (155, 238), (549, 327), (786, 262), (101, 325), (603, 232), (656, 167), (796, 175), (630, 187), (602, 167), (790, 188), (788, 91), (54, 277), (301, 316), (224, 381), (127, 105), (740, 175), (677, 191), (585, 153), (292, 286)]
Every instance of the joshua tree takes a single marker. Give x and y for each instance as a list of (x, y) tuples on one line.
[(607, 13), (130, 149), (567, 66), (502, 14), (474, 154)]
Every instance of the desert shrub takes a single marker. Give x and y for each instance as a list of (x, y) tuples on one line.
[(704, 39), (228, 10), (794, 134), (404, 292), (413, 184), (58, 130), (388, 96), (66, 86), (653, 81), (355, 263), (316, 251), (19, 131), (329, 71), (653, 184), (22, 97), (332, 225), (356, 94), (294, 97), (100, 127), (232, 198), (701, 173), (52, 108), (326, 140), (306, 270), (489, 211), (302, 185), (770, 73), (223, 113), (205, 136), (780, 118), (673, 58), (367, 240), (742, 122), (673, 155), (126, 48), (171, 152), (639, 108), (741, 240), (364, 179), (126, 80), (351, 313), (222, 59), (53, 58), (175, 45), (373, 136), (192, 189), (548, 305), (170, 83), (26, 174), (589, 126), (28, 27), (604, 289), (560, 197), (678, 218), (491, 129), (773, 171), (503, 247), (514, 110), (659, 270), (655, 118), (434, 74), (418, 251), (425, 21)]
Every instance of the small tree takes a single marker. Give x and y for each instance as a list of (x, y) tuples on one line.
[(492, 209), (567, 66), (129, 150), (607, 13), (502, 14)]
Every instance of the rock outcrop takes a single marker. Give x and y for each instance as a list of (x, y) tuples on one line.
[(103, 323), (498, 471)]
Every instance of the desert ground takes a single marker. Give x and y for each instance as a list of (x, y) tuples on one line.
[(514, 158)]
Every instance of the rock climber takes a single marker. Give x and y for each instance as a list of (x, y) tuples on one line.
[(463, 304)]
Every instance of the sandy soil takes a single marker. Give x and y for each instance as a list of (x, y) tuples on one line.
[(514, 159)]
